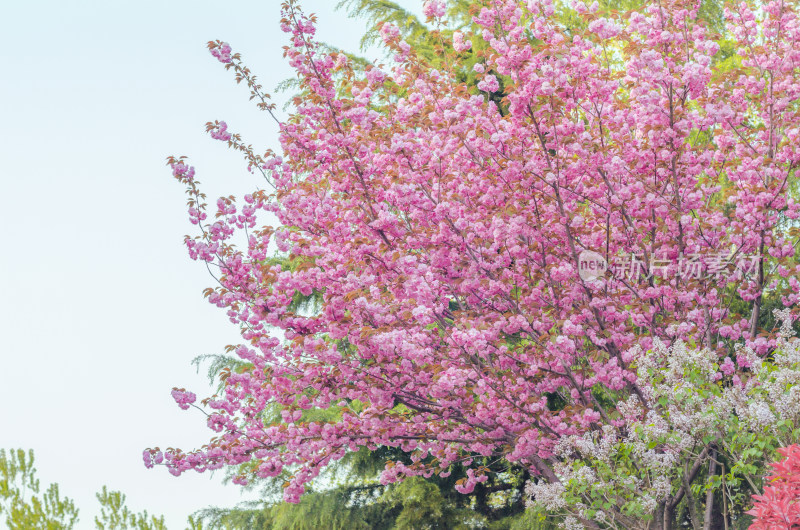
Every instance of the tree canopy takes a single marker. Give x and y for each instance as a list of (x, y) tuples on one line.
[(505, 263)]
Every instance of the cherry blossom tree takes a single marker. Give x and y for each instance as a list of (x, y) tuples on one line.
[(491, 272)]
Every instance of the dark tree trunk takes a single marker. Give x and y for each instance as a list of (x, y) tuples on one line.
[(709, 513), (658, 518)]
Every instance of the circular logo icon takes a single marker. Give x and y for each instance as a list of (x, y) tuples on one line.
[(591, 265)]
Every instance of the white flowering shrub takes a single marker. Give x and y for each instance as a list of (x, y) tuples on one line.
[(703, 423)]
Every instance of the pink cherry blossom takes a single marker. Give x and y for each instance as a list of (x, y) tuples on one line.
[(441, 229)]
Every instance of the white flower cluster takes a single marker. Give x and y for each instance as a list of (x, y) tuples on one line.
[(549, 496), (691, 396), (571, 523)]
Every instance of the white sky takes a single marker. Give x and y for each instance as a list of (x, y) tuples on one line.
[(101, 309)]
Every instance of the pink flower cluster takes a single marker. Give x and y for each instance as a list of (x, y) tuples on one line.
[(459, 44), (183, 398), (220, 132), (433, 8), (221, 50)]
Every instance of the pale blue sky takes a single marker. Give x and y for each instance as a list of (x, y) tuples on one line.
[(101, 309)]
